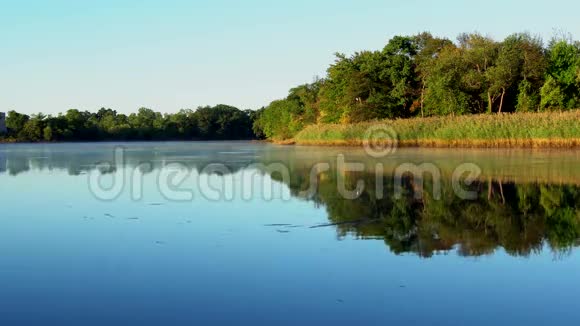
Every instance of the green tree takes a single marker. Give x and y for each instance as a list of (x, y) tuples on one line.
[(429, 49), (32, 130), (562, 84), (15, 122), (445, 93), (370, 84), (47, 133), (533, 71), (552, 95), (480, 55)]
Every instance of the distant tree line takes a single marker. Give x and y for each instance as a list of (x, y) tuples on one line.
[(220, 122), (424, 75)]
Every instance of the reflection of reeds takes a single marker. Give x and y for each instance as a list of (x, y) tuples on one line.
[(548, 129), (502, 165)]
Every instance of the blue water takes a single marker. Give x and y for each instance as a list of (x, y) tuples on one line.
[(69, 258)]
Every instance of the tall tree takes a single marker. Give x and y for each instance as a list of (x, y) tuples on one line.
[(562, 86), (445, 90), (15, 121), (428, 51), (480, 54)]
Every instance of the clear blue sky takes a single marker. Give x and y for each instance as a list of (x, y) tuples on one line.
[(167, 55)]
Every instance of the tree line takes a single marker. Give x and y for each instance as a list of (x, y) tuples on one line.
[(424, 75), (421, 75), (220, 122)]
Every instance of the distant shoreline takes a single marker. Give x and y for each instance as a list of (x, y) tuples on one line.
[(132, 141)]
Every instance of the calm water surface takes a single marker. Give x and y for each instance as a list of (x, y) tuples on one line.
[(220, 249)]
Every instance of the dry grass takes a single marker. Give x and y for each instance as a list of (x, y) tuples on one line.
[(470, 143), (532, 130)]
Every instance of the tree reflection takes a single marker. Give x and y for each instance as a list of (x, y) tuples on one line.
[(521, 218), (77, 159), (520, 212)]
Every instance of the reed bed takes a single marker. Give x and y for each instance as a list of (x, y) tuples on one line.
[(534, 130)]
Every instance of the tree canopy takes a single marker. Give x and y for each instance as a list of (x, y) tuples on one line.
[(424, 75), (220, 122), (420, 75)]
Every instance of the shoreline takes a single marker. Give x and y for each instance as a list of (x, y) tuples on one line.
[(3, 142), (543, 143), (559, 129), (540, 143)]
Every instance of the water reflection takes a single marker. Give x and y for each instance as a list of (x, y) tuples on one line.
[(79, 159), (524, 200), (520, 218)]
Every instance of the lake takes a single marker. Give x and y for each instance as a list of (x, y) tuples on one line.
[(191, 233)]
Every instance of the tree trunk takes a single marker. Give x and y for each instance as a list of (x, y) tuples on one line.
[(501, 101), (489, 103), (501, 191), (422, 98)]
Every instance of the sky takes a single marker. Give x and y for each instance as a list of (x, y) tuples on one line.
[(170, 55)]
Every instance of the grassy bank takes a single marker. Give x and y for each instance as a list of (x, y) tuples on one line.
[(548, 129)]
